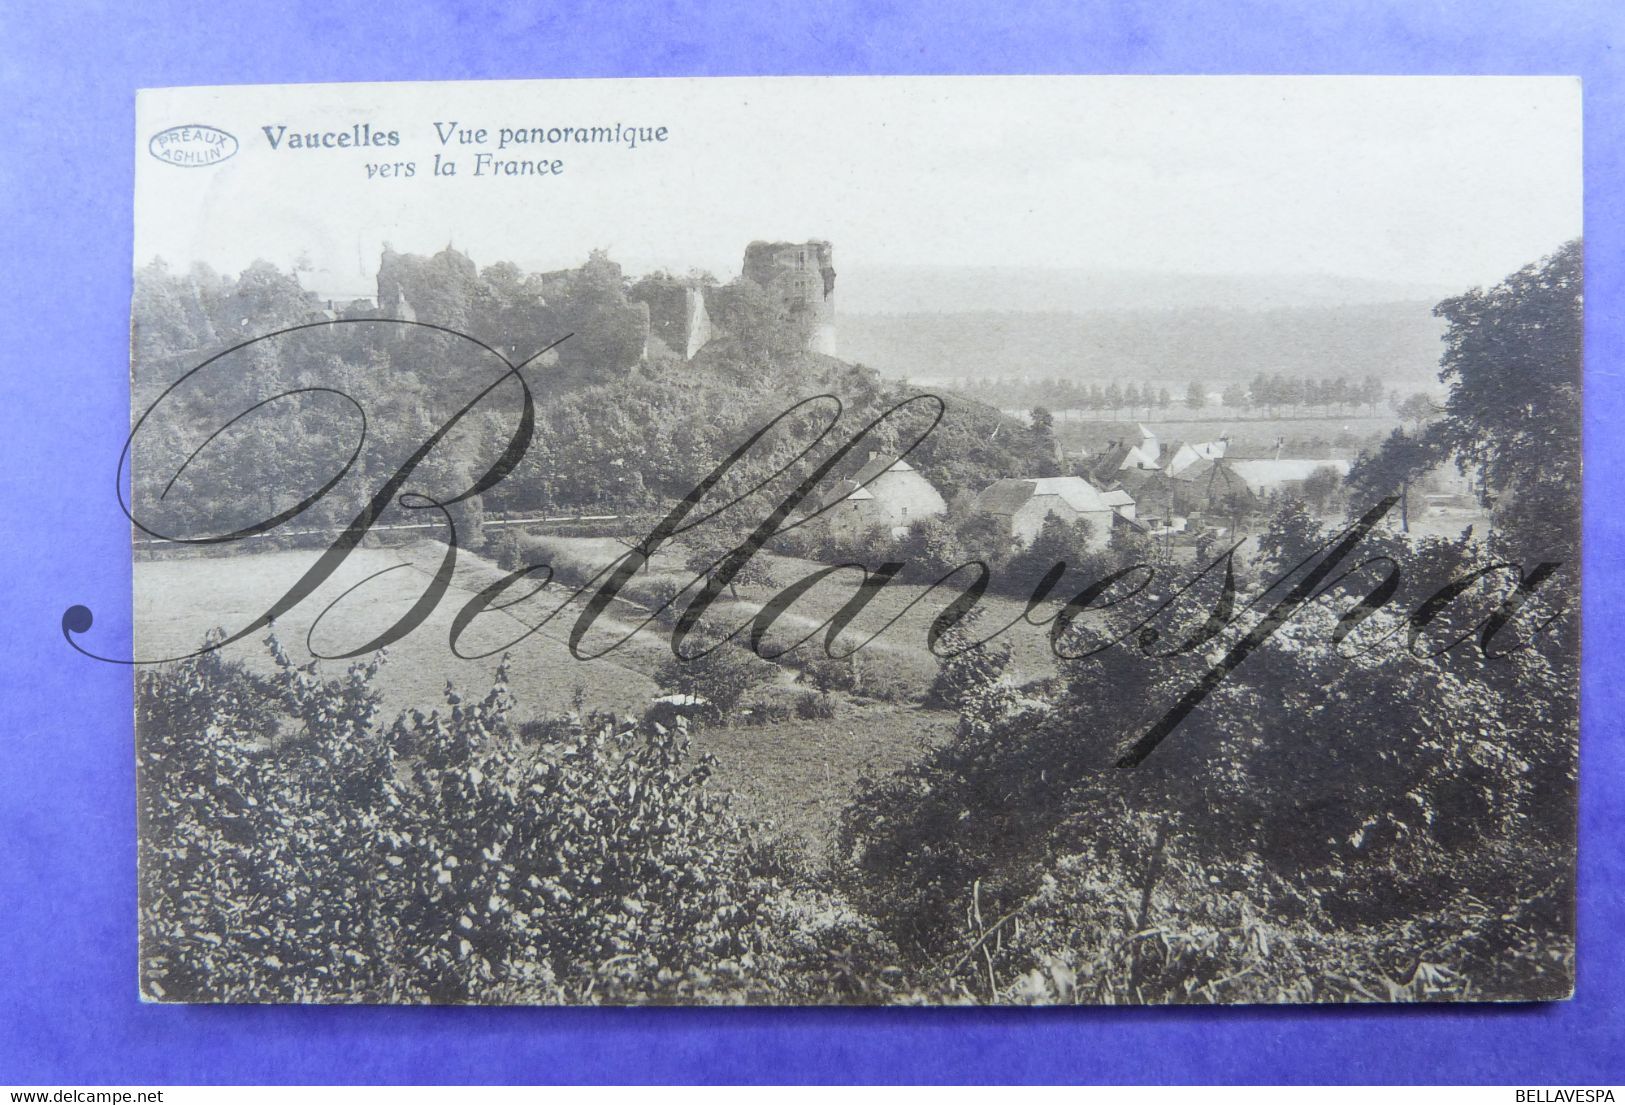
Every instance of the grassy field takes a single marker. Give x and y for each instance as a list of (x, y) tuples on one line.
[(177, 601), (797, 774), (898, 654), (1341, 434)]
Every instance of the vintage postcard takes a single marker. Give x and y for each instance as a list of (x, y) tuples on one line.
[(873, 540)]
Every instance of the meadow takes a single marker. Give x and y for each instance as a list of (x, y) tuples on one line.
[(795, 774)]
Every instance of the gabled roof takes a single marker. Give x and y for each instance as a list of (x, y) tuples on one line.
[(847, 489), (1119, 497), (1264, 474), (855, 488), (1143, 455), (1186, 453), (1193, 471), (879, 464), (1005, 496), (1009, 496)]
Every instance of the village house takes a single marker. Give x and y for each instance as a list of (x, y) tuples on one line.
[(1143, 457), (1022, 505), (886, 493), (1120, 460), (1206, 489), (1121, 502), (1284, 473), (1184, 454)]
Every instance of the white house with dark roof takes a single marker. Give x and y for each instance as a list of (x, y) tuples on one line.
[(1120, 501), (885, 493), (1022, 505)]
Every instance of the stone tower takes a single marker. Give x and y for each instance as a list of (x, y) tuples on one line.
[(801, 276)]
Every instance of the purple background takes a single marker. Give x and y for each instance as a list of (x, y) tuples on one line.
[(68, 1007)]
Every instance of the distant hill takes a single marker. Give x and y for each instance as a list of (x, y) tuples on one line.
[(955, 289), (1399, 342)]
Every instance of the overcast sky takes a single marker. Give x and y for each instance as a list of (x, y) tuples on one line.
[(1442, 182)]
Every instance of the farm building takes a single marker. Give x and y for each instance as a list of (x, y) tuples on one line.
[(1120, 501), (1264, 476), (1209, 488), (1022, 506), (1106, 466), (885, 493), (1184, 454), (1144, 456)]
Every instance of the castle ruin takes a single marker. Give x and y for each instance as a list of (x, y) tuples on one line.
[(801, 277), (678, 320), (798, 277)]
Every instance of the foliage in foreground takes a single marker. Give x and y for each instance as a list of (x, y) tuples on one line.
[(1367, 822), (295, 848)]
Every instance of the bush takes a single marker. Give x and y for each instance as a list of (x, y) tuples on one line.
[(884, 684), (827, 673), (721, 677), (295, 849), (504, 548), (966, 670), (811, 706)]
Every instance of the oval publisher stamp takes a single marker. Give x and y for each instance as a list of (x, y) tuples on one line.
[(192, 145)]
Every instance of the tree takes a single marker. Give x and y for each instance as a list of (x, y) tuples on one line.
[(1321, 487), (1058, 541), (982, 536), (1262, 392), (1312, 788), (269, 300), (1417, 407), (966, 670), (1293, 392), (608, 329), (1235, 396), (1512, 364), (1371, 393), (712, 549), (296, 846), (932, 548), (1196, 395), (1512, 361), (1401, 461)]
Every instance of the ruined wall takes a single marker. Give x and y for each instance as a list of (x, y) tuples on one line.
[(678, 319)]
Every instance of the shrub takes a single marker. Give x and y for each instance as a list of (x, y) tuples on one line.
[(885, 684), (827, 673), (721, 676), (812, 705), (966, 669), (504, 547), (294, 848)]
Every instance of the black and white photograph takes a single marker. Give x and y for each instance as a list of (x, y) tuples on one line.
[(864, 540)]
